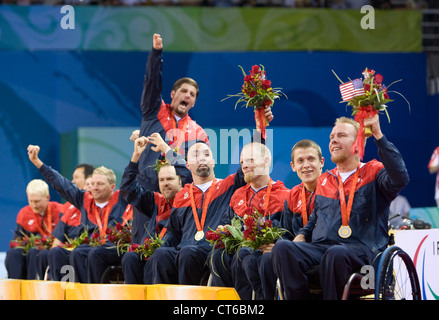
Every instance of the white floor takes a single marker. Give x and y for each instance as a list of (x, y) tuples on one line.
[(3, 273)]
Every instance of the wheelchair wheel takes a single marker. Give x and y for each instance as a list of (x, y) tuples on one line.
[(397, 278)]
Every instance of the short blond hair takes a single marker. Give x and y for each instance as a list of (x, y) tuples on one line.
[(38, 186), (108, 173), (350, 121)]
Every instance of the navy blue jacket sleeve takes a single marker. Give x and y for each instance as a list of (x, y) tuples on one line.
[(179, 162), (309, 227), (152, 85), (287, 220), (134, 193), (65, 188), (227, 216), (173, 230), (395, 176), (20, 231), (60, 232)]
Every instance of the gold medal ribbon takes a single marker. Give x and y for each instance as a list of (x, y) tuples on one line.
[(46, 225), (346, 210), (104, 212), (304, 207), (200, 225)]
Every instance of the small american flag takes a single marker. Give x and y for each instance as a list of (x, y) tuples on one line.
[(351, 89)]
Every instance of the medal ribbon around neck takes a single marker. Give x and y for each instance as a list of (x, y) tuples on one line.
[(267, 196), (346, 210), (48, 225), (304, 207), (200, 226), (105, 213)]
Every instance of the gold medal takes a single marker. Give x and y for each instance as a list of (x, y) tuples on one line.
[(199, 235), (200, 225), (345, 232)]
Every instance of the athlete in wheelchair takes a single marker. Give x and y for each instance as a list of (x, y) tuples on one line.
[(348, 229)]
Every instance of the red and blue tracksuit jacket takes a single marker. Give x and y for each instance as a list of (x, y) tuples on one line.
[(153, 208), (157, 116), (378, 184), (29, 222), (181, 226), (74, 223), (246, 197), (291, 217)]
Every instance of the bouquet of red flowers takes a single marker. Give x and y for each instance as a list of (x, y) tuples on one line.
[(23, 243), (258, 230), (28, 242), (43, 242), (120, 235), (94, 240), (228, 237), (367, 97), (71, 244), (257, 92), (148, 247)]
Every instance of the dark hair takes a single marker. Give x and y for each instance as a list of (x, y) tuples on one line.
[(187, 80), (88, 169), (167, 164)]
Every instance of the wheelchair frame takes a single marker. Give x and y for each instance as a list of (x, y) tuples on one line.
[(386, 286)]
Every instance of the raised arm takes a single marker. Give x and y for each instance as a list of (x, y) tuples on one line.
[(130, 189), (395, 176), (174, 158), (152, 85), (65, 188)]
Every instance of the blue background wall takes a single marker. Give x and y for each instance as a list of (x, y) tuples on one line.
[(45, 94)]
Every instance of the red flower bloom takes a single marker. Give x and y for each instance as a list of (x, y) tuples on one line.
[(13, 244), (255, 69), (220, 244), (119, 226), (133, 247), (378, 78), (210, 235), (266, 84), (247, 78)]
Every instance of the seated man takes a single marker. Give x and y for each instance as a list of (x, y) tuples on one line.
[(149, 219), (307, 162), (197, 208), (82, 178), (38, 218), (262, 193), (348, 226), (98, 209)]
